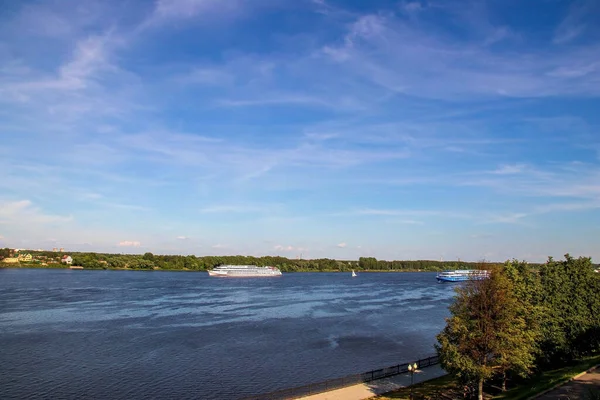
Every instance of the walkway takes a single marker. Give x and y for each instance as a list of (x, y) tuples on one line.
[(378, 387), (583, 386)]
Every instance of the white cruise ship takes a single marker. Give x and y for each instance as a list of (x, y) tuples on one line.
[(461, 275), (244, 271)]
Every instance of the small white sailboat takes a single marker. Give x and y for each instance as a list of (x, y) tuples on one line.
[(353, 273)]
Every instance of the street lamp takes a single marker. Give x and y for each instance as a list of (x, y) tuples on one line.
[(412, 369)]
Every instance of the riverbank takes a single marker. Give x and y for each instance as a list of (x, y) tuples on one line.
[(447, 388), (62, 266), (149, 261)]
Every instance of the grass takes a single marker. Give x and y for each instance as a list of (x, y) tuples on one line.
[(548, 379), (433, 389), (447, 388)]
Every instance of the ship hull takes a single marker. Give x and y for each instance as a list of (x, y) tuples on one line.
[(244, 272), (229, 275)]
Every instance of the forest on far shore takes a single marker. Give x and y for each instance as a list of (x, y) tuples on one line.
[(149, 261)]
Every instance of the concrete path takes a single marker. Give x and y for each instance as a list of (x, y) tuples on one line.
[(378, 387), (583, 386)]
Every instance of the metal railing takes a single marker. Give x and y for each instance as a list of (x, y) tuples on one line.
[(337, 383)]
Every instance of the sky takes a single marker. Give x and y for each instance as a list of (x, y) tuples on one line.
[(308, 128)]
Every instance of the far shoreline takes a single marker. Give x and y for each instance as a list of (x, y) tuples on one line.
[(13, 266)]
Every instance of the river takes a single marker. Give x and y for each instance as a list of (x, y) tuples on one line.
[(68, 334)]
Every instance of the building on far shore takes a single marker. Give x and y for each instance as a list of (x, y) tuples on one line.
[(25, 257), (67, 260), (10, 260)]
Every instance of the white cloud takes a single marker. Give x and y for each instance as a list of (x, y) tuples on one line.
[(182, 237), (218, 246), (129, 243), (191, 8), (342, 245), (568, 206), (412, 7), (283, 248), (89, 57), (506, 218), (206, 76), (24, 212), (509, 169), (405, 221), (231, 209), (568, 33), (407, 58), (402, 212), (207, 10), (574, 24), (288, 248)]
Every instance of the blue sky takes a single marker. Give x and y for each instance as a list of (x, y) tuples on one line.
[(321, 128)]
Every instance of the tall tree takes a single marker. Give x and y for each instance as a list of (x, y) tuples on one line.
[(571, 328), (487, 333), (527, 289)]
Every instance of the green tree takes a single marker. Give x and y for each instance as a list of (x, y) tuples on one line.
[(570, 298), (4, 253), (487, 333), (527, 289), (367, 263)]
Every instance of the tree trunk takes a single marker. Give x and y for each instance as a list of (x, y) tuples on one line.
[(480, 389), (504, 381)]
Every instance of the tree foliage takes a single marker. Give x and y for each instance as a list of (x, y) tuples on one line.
[(488, 332), (194, 263), (4, 253), (569, 294), (524, 317)]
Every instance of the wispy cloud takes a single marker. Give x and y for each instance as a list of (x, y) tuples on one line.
[(130, 243), (509, 169), (24, 212), (219, 209), (505, 218), (574, 23), (206, 76), (288, 248), (404, 58), (90, 57), (342, 245), (412, 6), (407, 212), (166, 12)]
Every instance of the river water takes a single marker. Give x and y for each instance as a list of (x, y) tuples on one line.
[(134, 335)]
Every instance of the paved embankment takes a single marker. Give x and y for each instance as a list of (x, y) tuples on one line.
[(583, 386), (377, 387)]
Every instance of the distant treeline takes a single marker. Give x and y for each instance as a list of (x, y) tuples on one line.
[(150, 261)]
